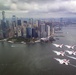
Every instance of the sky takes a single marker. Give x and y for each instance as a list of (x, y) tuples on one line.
[(38, 8)]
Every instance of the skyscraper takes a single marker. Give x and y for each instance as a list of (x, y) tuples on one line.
[(3, 25), (14, 24), (14, 21), (1, 35), (31, 21), (23, 31), (19, 22), (47, 30), (42, 30), (29, 32), (3, 16), (34, 33)]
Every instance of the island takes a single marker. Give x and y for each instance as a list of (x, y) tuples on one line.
[(29, 40)]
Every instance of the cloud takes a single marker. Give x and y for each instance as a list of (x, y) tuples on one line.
[(37, 7), (3, 7), (13, 6)]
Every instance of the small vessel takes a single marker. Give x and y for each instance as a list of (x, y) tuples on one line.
[(4, 39), (12, 46), (23, 42), (10, 41), (37, 41), (32, 42)]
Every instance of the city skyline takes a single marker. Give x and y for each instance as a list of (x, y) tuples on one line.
[(22, 28), (38, 8)]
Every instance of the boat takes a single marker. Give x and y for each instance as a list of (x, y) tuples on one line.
[(23, 42), (37, 41), (10, 41)]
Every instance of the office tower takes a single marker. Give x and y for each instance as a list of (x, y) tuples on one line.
[(61, 23), (39, 22), (42, 27), (19, 27), (3, 16), (14, 25), (34, 33), (10, 29), (11, 33), (31, 21), (14, 21), (39, 34), (35, 23), (8, 25), (52, 31), (19, 31), (24, 23), (61, 20), (23, 31), (1, 36), (3, 25), (39, 28), (47, 30), (29, 32), (19, 23), (42, 30)]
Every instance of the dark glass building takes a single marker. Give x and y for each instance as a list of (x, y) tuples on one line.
[(34, 33), (3, 25), (19, 22), (29, 32)]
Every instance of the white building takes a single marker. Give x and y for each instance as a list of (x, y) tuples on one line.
[(48, 30), (19, 31), (42, 30)]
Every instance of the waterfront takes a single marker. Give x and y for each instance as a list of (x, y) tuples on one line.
[(37, 59)]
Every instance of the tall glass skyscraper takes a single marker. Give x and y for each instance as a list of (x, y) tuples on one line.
[(29, 32), (3, 24)]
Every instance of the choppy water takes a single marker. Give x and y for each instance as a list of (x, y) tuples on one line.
[(37, 59)]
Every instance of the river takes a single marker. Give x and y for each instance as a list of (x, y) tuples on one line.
[(37, 59)]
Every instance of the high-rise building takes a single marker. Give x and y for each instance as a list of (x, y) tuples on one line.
[(8, 27), (36, 23), (14, 25), (31, 21), (29, 32), (19, 31), (1, 36), (11, 32), (42, 30), (3, 16), (24, 25), (47, 30), (19, 27), (61, 22), (3, 25), (14, 21), (34, 33), (19, 22)]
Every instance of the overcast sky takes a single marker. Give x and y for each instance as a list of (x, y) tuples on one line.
[(39, 8)]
